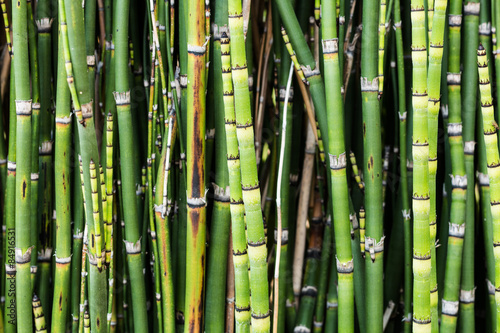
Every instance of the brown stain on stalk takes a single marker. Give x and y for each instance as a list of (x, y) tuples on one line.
[(198, 176), (195, 221), (60, 301), (24, 188)]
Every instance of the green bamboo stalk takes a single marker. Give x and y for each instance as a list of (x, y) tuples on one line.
[(44, 151), (438, 15), (195, 152), (221, 218), (24, 243), (35, 135), (309, 292), (420, 152), (405, 202), (381, 46), (10, 317), (469, 104), (483, 180), (338, 164), (63, 202), (459, 179), (128, 168), (40, 324), (492, 159), (374, 240), (163, 252), (319, 316), (257, 251), (239, 249), (495, 14), (74, 54)]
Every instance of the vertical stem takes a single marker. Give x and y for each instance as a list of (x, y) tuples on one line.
[(195, 152), (257, 251), (24, 243)]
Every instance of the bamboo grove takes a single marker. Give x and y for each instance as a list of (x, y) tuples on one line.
[(250, 166)]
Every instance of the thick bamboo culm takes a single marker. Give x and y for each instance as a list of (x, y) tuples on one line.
[(249, 166)]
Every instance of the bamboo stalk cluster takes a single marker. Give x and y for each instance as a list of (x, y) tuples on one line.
[(250, 166)]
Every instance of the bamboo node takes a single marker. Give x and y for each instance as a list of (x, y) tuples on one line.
[(444, 111), (338, 163), (122, 98), (330, 305), (491, 287), (458, 181), (45, 254), (369, 86), (406, 214), (284, 236), (33, 269), (44, 25), (345, 267), (468, 296), (301, 329), (456, 230), (330, 45), (66, 260), (308, 72), (23, 108), (354, 221), (198, 50), (472, 8), (23, 258), (210, 134), (183, 80), (454, 79), (469, 147), (132, 248), (449, 308), (455, 20), (45, 148), (483, 178), (317, 323), (87, 110), (91, 60), (34, 177), (11, 166), (309, 291), (63, 120), (485, 29), (372, 247), (454, 129), (220, 193)]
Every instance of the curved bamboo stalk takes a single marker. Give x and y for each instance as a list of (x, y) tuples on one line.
[(257, 251), (239, 246)]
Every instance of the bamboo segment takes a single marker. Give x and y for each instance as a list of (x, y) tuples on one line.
[(338, 165), (374, 240), (420, 152), (492, 158), (470, 76), (24, 242), (63, 192), (459, 180), (257, 251), (195, 152), (436, 44), (239, 248)]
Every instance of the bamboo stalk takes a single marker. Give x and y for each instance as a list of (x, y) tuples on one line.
[(24, 243), (195, 152), (491, 145), (239, 246), (257, 251)]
